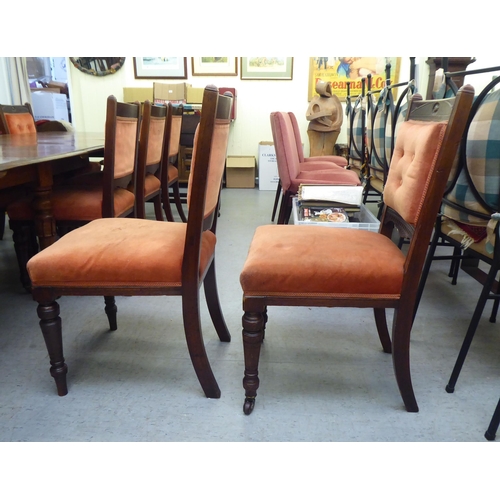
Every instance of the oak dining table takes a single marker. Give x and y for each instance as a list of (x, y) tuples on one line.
[(36, 158)]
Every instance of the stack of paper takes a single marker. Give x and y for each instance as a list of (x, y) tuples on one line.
[(347, 197)]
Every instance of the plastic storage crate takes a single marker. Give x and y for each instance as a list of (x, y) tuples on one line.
[(367, 220)]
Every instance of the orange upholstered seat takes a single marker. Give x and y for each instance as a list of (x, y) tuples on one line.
[(87, 258)]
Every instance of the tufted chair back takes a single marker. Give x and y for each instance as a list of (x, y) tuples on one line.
[(16, 120)]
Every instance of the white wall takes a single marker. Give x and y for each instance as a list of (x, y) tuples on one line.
[(256, 99)]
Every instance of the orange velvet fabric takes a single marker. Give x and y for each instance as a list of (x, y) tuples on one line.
[(415, 154), (155, 142), (83, 203), (118, 252), (172, 172), (20, 123), (126, 142), (151, 184), (216, 166), (175, 135), (320, 261)]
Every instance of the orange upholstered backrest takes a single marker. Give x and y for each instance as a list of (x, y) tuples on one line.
[(20, 123), (216, 164), (155, 140), (175, 135), (125, 146), (415, 154)]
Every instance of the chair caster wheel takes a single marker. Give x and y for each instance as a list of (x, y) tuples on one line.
[(248, 405)]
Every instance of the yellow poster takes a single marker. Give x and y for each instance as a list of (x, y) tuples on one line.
[(340, 70)]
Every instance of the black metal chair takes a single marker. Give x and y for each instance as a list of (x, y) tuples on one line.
[(468, 220)]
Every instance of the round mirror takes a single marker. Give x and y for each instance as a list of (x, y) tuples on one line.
[(98, 66)]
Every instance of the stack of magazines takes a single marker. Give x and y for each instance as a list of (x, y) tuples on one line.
[(329, 203)]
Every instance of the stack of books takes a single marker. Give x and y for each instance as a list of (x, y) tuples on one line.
[(329, 203)]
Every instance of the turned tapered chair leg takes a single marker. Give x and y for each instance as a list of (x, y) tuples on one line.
[(253, 335), (50, 324)]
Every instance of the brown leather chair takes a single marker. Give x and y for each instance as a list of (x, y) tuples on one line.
[(314, 266), (140, 257)]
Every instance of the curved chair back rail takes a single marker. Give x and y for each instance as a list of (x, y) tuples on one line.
[(137, 257), (296, 265)]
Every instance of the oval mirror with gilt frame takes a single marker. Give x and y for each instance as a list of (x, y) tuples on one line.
[(98, 66)]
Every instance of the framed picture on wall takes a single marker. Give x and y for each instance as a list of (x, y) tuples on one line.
[(340, 70), (218, 66), (160, 67), (266, 68)]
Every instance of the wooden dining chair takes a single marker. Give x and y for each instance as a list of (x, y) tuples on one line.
[(314, 266), (292, 173), (150, 157), (170, 173), (95, 195), (141, 257), (15, 120)]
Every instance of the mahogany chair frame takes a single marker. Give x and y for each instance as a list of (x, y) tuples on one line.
[(256, 302), (216, 113), (161, 114), (171, 149)]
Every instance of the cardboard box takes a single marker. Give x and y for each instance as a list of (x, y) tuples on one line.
[(141, 94), (240, 172), (46, 89), (163, 92), (268, 167), (49, 106), (194, 95)]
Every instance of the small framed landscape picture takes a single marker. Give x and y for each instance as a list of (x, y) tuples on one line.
[(266, 68), (160, 67), (219, 66)]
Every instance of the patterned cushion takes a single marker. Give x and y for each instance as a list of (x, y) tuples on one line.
[(378, 132), (356, 144), (482, 164)]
